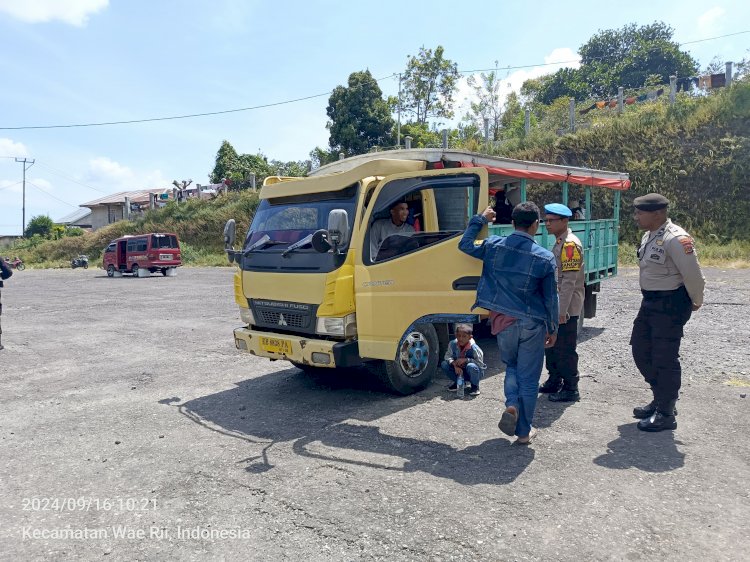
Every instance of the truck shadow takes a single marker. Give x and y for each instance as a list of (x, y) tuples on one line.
[(650, 452), (320, 421)]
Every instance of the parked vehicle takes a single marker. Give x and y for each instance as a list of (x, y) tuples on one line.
[(312, 290), (15, 263), (80, 261), (150, 252)]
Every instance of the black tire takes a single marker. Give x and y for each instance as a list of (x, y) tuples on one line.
[(164, 271), (134, 270), (416, 361), (20, 267), (85, 266), (110, 270)]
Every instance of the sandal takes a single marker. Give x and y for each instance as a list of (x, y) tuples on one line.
[(508, 421), (526, 440)]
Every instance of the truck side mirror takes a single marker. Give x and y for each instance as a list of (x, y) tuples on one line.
[(229, 237), (338, 229)]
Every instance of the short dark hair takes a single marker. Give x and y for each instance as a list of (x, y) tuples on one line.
[(465, 328), (396, 203), (525, 214)]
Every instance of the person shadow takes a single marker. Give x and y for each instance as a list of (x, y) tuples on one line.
[(650, 452), (336, 420)]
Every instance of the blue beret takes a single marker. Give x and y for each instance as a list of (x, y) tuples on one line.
[(558, 209)]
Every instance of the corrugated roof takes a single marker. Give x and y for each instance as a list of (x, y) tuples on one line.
[(75, 216), (135, 196)]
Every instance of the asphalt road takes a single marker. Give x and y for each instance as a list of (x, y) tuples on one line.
[(131, 429)]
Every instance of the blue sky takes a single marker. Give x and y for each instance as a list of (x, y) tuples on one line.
[(83, 61)]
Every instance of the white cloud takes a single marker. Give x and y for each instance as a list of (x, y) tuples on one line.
[(11, 148), (74, 12), (709, 21), (111, 176), (511, 81)]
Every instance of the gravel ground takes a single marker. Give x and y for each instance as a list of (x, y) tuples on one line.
[(131, 429)]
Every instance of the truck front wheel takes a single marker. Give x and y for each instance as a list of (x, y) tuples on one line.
[(415, 363)]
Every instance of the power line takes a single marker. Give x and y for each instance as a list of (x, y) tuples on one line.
[(50, 195), (305, 98), (57, 172), (11, 185)]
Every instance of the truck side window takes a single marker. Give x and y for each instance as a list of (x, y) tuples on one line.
[(449, 202)]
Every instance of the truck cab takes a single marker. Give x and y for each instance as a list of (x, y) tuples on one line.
[(313, 289)]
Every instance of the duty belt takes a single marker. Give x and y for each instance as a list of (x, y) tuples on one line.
[(662, 294)]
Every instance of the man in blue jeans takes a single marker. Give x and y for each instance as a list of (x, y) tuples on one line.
[(519, 287)]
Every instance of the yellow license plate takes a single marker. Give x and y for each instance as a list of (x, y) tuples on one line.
[(275, 345)]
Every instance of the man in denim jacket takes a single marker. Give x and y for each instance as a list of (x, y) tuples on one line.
[(519, 287)]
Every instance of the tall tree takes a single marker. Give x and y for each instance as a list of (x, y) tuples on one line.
[(359, 116), (630, 57), (41, 225), (239, 169), (429, 84), (488, 105)]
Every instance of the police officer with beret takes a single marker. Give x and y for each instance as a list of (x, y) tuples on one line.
[(562, 358), (672, 284)]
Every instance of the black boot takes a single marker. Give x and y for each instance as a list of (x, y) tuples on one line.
[(565, 395), (551, 385), (662, 419), (643, 412)]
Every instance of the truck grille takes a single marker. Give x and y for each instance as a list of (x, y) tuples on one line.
[(283, 316), (287, 319)]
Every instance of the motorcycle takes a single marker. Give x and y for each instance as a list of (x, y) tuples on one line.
[(80, 261), (15, 263)]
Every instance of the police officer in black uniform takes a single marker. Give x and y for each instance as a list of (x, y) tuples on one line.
[(5, 273), (672, 284)]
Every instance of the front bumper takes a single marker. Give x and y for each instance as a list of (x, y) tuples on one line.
[(299, 349)]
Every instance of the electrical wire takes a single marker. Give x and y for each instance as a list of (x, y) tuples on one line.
[(305, 98), (50, 195), (60, 173)]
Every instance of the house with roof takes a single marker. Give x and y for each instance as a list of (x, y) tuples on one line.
[(80, 218), (113, 208)]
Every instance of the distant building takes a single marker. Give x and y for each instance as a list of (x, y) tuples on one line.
[(80, 218), (7, 240), (111, 208)]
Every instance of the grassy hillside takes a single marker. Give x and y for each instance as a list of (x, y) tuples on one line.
[(199, 225), (696, 152)]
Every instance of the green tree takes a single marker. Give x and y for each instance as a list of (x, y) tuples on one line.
[(359, 116), (489, 105), (428, 85), (41, 225), (629, 57), (227, 160), (239, 169)]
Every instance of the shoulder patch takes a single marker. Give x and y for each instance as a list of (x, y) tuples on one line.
[(687, 244), (570, 257)]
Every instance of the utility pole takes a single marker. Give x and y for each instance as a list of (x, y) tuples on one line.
[(24, 161), (398, 111)]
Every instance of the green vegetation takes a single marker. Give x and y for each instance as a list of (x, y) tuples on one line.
[(198, 223), (695, 151)]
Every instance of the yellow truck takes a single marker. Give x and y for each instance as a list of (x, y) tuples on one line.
[(319, 286)]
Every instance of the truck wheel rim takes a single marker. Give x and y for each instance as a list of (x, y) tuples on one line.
[(414, 354)]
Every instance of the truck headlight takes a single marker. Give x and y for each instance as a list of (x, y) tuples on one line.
[(337, 326), (246, 315)]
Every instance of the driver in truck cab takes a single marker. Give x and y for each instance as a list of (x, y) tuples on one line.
[(394, 225)]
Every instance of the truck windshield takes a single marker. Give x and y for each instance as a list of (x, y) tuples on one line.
[(286, 220)]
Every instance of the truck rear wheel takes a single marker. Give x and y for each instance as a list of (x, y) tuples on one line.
[(415, 363)]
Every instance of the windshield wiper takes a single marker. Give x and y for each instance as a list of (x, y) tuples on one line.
[(260, 242), (304, 242)]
